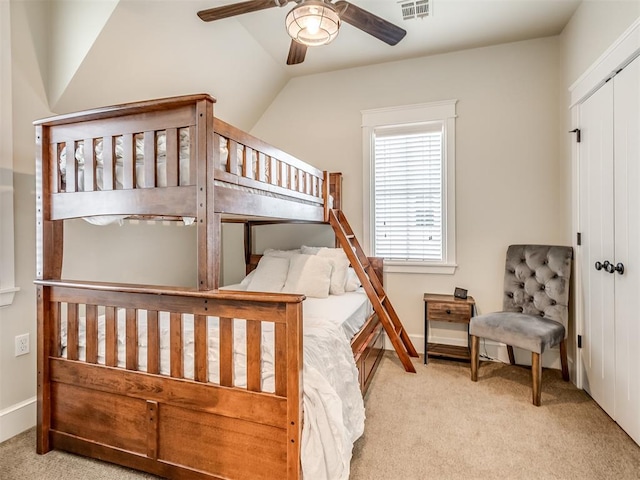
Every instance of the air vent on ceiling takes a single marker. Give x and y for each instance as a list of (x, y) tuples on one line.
[(415, 8)]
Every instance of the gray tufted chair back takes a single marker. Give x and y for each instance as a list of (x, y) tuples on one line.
[(536, 281)]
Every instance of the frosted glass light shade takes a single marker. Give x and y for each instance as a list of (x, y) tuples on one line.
[(313, 23)]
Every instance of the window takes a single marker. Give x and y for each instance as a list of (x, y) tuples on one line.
[(409, 167)]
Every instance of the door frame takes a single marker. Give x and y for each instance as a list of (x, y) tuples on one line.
[(622, 52)]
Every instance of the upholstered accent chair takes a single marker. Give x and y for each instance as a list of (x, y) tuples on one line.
[(535, 312)]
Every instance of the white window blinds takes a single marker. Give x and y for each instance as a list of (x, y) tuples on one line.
[(408, 192)]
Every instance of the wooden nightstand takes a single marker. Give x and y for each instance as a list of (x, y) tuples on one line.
[(446, 308)]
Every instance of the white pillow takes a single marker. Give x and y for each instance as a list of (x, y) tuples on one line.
[(340, 264), (309, 275), (271, 252), (245, 281), (310, 250), (269, 275), (353, 282)]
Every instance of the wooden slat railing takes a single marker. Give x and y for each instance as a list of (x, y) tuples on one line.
[(153, 342), (253, 163), (84, 303), (129, 186)]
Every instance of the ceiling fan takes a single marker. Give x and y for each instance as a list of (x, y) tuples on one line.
[(313, 22)]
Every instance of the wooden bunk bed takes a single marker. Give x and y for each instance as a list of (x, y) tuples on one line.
[(194, 166)]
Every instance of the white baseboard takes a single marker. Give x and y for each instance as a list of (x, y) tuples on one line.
[(488, 348), (17, 418)]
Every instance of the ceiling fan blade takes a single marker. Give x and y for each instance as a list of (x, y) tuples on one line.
[(297, 52), (234, 9), (370, 23)]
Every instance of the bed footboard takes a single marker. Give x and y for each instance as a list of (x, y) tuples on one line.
[(102, 395)]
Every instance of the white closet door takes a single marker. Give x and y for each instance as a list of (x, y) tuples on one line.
[(627, 247), (597, 228)]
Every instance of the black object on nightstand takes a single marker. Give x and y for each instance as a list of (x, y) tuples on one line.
[(460, 293)]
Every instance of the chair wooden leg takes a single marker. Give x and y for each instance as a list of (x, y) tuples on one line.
[(563, 361), (475, 354), (512, 357), (536, 374)]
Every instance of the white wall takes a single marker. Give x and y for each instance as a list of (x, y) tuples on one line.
[(509, 128), (151, 253), (509, 177), (7, 277), (18, 374), (68, 46), (140, 55), (592, 29)]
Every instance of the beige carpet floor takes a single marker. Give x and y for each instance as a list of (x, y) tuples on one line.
[(435, 425), (439, 424)]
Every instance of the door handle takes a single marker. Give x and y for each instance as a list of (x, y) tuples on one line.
[(609, 267)]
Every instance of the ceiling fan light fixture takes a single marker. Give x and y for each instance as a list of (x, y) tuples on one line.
[(313, 23)]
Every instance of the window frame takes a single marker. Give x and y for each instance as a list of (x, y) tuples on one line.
[(445, 112)]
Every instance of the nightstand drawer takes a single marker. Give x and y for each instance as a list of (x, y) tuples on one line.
[(449, 312)]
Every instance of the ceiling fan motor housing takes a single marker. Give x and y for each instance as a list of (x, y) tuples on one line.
[(315, 22)]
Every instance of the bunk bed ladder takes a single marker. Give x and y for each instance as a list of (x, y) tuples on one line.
[(373, 287)]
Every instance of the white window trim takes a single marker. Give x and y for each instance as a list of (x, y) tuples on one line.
[(444, 111), (7, 272)]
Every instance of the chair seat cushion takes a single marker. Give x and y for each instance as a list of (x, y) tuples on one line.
[(518, 330)]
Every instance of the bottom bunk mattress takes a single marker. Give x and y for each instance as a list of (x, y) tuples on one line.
[(333, 405)]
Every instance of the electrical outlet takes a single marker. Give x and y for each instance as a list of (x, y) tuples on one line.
[(22, 344)]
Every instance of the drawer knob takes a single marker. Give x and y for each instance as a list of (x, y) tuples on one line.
[(448, 312)]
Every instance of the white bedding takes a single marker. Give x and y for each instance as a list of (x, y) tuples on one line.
[(348, 311), (333, 405)]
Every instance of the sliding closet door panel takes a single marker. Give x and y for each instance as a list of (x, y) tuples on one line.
[(596, 225), (627, 247)]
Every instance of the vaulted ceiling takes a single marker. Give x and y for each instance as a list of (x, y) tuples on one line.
[(127, 50)]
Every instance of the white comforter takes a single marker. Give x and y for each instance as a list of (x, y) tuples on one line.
[(333, 405)]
